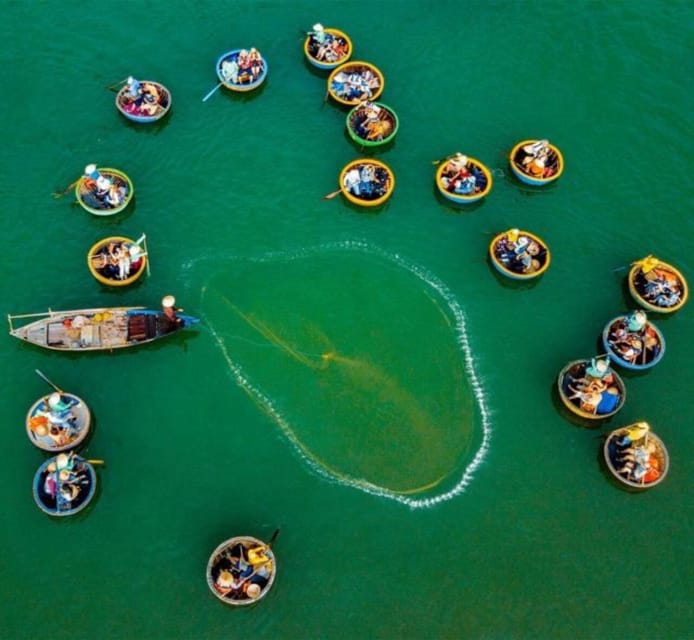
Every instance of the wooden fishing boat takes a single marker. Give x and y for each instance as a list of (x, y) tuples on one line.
[(64, 485), (593, 397), (104, 197), (633, 347), (241, 69), (636, 456), (151, 103), (60, 425), (103, 328), (327, 48), (371, 124), (367, 182), (241, 571), (355, 81), (463, 179), (118, 261), (657, 285), (519, 254), (536, 162)]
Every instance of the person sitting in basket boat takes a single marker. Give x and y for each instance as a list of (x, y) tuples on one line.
[(320, 42)]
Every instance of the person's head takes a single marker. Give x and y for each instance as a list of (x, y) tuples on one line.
[(168, 302), (253, 590), (533, 248), (318, 27)]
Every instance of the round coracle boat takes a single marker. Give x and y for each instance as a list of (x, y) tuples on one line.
[(117, 261), (636, 457), (64, 485), (536, 162), (58, 422), (371, 124), (367, 182), (241, 571), (143, 100), (519, 254), (657, 286), (633, 342), (591, 388), (103, 191), (241, 69), (462, 179), (354, 82), (327, 48)]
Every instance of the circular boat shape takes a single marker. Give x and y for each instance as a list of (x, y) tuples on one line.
[(152, 103), (519, 254), (334, 50), (105, 201), (371, 124), (355, 81), (633, 349), (241, 571), (657, 285), (241, 69), (587, 396), (64, 485), (535, 163), (59, 429), (116, 261), (463, 179), (636, 456), (367, 182)]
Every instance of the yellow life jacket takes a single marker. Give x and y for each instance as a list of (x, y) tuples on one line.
[(256, 555)]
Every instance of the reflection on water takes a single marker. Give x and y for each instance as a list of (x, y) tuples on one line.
[(360, 366)]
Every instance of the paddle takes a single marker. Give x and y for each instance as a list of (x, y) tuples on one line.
[(115, 84), (96, 462), (274, 537), (211, 92), (330, 196), (49, 382), (60, 194)]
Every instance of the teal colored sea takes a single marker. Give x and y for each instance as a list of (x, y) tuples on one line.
[(361, 380)]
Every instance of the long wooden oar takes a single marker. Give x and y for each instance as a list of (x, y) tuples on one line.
[(58, 389), (211, 92), (96, 462), (115, 84), (60, 194), (330, 196)]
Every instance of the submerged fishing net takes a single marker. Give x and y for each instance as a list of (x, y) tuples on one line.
[(356, 359)]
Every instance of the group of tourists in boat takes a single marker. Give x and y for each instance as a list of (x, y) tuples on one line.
[(356, 84), (593, 387), (537, 159), (520, 253), (242, 67), (54, 424), (147, 99), (118, 259), (660, 285), (101, 190), (327, 45), (636, 456), (634, 340), (64, 484), (372, 122), (241, 570), (462, 177), (367, 181)]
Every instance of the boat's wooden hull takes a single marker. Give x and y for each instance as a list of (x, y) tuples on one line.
[(97, 329), (556, 162), (510, 267), (345, 45), (95, 205), (482, 189), (617, 457), (576, 370), (651, 339), (236, 591), (47, 487), (135, 114), (365, 194), (657, 286), (245, 81), (372, 133), (347, 93), (58, 438), (106, 270)]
